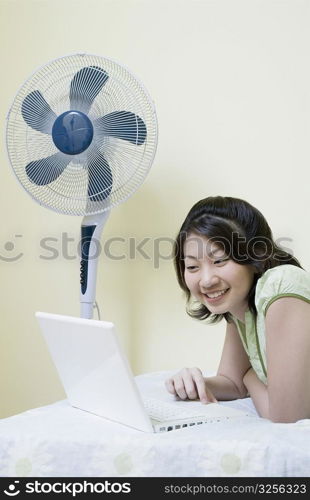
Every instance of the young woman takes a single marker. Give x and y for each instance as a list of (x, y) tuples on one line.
[(231, 268)]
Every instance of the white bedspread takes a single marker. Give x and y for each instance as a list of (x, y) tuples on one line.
[(58, 440)]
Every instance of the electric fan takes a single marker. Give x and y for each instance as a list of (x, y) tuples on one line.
[(81, 138)]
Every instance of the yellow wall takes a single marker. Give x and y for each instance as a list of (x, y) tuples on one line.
[(230, 82)]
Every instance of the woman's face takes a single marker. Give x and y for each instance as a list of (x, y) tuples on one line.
[(215, 280)]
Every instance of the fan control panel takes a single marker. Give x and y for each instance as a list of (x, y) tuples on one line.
[(86, 233)]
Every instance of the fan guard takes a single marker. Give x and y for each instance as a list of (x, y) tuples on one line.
[(128, 160)]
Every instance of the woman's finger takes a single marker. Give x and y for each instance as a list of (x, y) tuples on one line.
[(190, 387), (204, 394), (179, 387), (170, 386)]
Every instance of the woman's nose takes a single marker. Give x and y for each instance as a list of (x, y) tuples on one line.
[(209, 279)]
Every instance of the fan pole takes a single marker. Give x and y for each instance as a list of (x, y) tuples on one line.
[(91, 229)]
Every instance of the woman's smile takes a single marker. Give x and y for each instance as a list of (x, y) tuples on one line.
[(216, 296)]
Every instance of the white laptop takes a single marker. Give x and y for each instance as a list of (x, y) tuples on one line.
[(97, 378)]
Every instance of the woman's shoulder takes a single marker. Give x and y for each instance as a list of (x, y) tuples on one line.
[(283, 273), (281, 281)]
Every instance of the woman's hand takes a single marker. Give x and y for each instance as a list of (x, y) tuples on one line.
[(189, 383)]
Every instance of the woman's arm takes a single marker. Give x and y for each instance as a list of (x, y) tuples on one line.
[(287, 396), (288, 355), (233, 365), (258, 392)]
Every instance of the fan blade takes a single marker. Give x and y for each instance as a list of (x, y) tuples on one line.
[(46, 170), (123, 125), (37, 113), (85, 86), (100, 178)]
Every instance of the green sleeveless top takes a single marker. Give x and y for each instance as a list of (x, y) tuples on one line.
[(281, 281)]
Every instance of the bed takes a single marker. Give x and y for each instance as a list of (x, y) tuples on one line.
[(60, 441)]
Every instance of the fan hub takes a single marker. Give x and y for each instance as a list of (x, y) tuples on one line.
[(72, 132)]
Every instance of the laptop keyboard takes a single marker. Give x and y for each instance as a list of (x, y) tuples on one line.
[(162, 410)]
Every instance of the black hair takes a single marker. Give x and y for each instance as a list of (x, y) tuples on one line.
[(244, 235)]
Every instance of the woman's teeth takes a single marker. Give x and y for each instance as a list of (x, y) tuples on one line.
[(216, 294)]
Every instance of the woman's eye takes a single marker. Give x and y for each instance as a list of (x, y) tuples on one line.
[(191, 268), (220, 261)]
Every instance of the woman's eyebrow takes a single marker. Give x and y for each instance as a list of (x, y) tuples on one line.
[(211, 254)]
